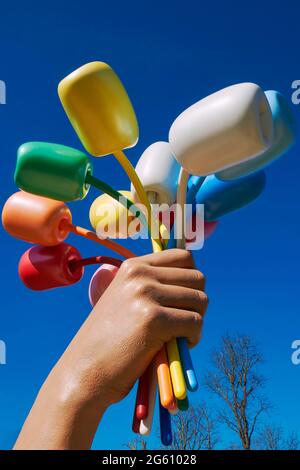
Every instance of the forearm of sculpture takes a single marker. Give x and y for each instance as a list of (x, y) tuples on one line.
[(60, 418), (152, 299)]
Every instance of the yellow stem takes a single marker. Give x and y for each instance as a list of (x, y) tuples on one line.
[(129, 169)]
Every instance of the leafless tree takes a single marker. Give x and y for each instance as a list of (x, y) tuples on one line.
[(236, 381), (238, 385), (292, 442), (194, 429), (137, 444), (272, 437)]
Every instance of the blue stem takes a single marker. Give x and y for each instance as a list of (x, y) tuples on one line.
[(165, 426)]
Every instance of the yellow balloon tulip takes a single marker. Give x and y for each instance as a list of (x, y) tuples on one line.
[(110, 218), (99, 109)]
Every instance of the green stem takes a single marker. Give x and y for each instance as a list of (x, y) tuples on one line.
[(106, 188)]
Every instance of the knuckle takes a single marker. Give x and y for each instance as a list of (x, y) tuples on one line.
[(127, 266), (144, 288), (148, 312), (198, 322), (151, 315), (201, 299), (198, 276), (187, 257), (197, 319), (131, 267), (205, 300)]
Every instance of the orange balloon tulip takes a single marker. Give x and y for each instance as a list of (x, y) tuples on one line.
[(35, 219)]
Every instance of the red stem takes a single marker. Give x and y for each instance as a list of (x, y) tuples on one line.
[(75, 264)]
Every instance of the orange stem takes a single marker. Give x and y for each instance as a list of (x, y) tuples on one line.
[(83, 232), (164, 378)]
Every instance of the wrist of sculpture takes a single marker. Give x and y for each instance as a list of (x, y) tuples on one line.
[(75, 386), (70, 407)]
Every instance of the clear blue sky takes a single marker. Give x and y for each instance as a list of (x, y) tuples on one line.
[(169, 54)]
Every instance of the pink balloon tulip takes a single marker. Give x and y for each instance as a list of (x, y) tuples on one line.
[(100, 281), (209, 227)]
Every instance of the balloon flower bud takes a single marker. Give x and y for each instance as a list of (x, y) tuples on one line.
[(284, 124), (46, 267), (99, 109), (208, 229), (222, 197), (158, 171), (100, 281), (35, 219), (222, 130), (53, 171), (110, 218)]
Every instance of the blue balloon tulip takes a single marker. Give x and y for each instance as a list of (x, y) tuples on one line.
[(221, 197), (284, 137)]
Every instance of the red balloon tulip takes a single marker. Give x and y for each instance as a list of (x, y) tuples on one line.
[(46, 267)]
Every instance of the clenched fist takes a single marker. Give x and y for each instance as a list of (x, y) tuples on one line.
[(152, 299)]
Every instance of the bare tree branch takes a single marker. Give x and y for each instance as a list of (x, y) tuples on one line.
[(137, 444), (292, 442), (235, 381), (194, 429)]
